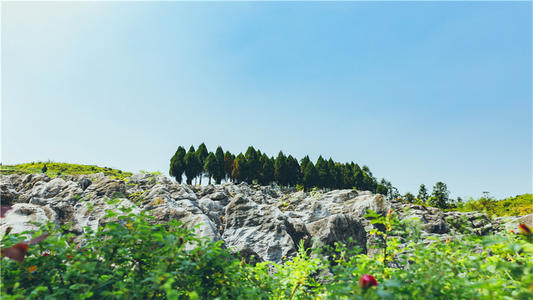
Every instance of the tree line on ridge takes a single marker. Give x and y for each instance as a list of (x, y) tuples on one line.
[(256, 167)]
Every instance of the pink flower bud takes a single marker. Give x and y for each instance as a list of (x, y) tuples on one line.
[(367, 281)]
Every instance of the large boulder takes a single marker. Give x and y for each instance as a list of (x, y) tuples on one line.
[(338, 228), (258, 230), (24, 217), (107, 187)]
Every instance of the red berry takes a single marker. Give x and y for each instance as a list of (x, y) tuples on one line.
[(367, 281)]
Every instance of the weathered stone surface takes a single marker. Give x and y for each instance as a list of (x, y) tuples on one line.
[(84, 183), (107, 187), (256, 229), (22, 216), (266, 222), (338, 228)]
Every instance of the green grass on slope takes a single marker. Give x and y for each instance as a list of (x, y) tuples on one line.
[(514, 206), (55, 169)]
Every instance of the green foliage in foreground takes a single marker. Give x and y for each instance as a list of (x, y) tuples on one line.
[(131, 259), (54, 169), (514, 206)]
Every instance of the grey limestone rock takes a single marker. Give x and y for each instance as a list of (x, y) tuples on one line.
[(267, 223)]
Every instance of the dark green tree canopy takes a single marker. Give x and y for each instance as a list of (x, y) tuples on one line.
[(252, 165), (410, 198), (193, 167), (177, 164), (267, 170), (323, 171), (293, 171), (422, 194), (310, 178), (228, 164), (220, 172), (210, 166), (440, 195), (239, 168), (280, 169), (255, 166)]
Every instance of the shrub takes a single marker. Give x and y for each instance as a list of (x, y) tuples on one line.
[(130, 258)]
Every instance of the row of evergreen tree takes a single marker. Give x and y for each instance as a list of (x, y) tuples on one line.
[(256, 167)]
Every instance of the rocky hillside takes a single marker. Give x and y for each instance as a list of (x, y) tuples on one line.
[(265, 222)]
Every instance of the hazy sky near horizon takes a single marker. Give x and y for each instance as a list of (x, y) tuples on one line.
[(420, 92)]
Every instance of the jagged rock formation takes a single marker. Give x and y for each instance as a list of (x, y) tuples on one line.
[(267, 223)]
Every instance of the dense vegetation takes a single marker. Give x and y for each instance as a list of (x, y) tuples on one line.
[(256, 167), (55, 169), (513, 206), (131, 259)]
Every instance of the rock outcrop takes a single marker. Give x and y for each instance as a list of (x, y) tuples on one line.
[(263, 223)]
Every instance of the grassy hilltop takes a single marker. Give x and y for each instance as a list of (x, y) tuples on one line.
[(56, 168)]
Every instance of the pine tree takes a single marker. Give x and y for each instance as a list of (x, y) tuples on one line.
[(293, 171), (390, 191), (267, 169), (177, 164), (333, 174), (210, 166), (347, 176), (220, 173), (202, 155), (252, 165), (369, 182), (303, 164), (280, 169), (358, 177), (323, 172), (409, 198), (422, 194), (192, 165), (239, 168), (339, 176), (440, 195), (228, 165), (381, 189), (310, 177), (366, 170)]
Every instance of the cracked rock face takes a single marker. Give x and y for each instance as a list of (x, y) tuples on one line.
[(266, 223)]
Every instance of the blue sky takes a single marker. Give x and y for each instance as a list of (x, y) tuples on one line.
[(420, 92)]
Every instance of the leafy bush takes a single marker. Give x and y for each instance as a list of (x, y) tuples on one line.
[(513, 206), (130, 258)]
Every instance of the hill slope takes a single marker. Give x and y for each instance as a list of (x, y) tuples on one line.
[(58, 168)]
